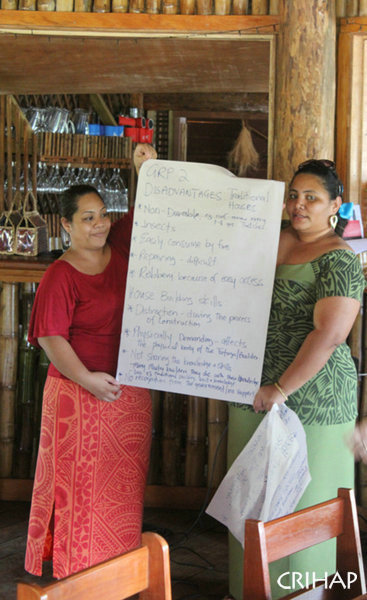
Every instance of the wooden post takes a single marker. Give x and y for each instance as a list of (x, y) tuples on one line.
[(155, 451), (305, 85), (195, 441), (217, 441), (9, 325)]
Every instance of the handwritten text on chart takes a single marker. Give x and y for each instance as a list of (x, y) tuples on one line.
[(200, 278)]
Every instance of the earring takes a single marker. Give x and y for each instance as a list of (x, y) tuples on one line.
[(65, 239), (333, 221)]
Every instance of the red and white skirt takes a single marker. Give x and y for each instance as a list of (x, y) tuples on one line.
[(87, 502)]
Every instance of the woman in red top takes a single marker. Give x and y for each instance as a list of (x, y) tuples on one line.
[(87, 501)]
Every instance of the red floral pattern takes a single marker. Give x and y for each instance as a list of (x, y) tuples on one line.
[(91, 471)]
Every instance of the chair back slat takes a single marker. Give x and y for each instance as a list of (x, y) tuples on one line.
[(304, 528), (145, 570), (266, 542)]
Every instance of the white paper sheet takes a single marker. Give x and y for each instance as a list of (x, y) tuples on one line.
[(269, 476), (200, 279)]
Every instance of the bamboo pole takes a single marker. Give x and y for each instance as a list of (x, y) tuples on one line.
[(153, 7), (217, 441), (26, 136), (82, 5), (204, 7), (8, 373), (187, 7), (9, 4), (46, 5), (195, 441), (27, 4), (121, 6), (352, 8), (2, 152), (25, 393), (102, 6), (341, 8), (42, 368), (240, 7), (170, 7), (259, 7), (363, 8), (222, 7), (171, 438), (34, 140), (9, 149), (155, 452), (274, 7), (136, 6), (18, 127), (64, 5)]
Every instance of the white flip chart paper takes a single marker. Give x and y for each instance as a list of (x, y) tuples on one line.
[(268, 477), (200, 279)]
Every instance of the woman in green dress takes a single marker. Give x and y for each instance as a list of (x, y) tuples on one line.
[(317, 295)]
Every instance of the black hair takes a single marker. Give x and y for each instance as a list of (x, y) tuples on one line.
[(325, 170), (70, 197)]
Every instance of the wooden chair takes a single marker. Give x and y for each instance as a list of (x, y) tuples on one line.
[(267, 542), (145, 570)]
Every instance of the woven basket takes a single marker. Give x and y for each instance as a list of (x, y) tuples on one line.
[(31, 231), (9, 220)]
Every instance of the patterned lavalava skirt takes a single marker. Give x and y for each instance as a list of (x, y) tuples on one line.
[(87, 502)]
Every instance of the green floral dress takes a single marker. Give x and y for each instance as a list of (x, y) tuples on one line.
[(330, 397), (326, 404)]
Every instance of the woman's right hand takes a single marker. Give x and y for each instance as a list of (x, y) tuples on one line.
[(142, 153), (102, 385), (59, 351)]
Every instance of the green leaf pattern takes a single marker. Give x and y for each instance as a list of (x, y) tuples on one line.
[(330, 397)]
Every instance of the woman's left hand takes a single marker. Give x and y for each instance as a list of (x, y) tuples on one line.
[(266, 396), (358, 441)]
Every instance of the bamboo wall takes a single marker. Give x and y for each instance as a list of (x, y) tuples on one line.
[(344, 8), (169, 7)]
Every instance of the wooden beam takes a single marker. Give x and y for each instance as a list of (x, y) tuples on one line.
[(102, 109), (244, 104), (123, 24), (40, 64), (353, 25)]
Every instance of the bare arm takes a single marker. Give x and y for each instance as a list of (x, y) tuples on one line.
[(333, 320), (62, 355)]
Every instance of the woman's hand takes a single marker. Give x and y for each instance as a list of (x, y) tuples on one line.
[(102, 385), (142, 153), (358, 441), (266, 396)]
